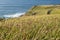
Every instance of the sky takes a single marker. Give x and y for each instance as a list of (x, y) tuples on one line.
[(31, 2)]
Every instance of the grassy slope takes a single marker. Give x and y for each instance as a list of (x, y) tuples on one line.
[(42, 10), (37, 27)]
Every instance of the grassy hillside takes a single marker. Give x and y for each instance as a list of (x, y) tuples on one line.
[(34, 27), (42, 10)]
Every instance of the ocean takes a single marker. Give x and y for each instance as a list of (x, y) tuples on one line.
[(13, 11)]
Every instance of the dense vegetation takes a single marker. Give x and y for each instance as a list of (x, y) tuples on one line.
[(38, 26)]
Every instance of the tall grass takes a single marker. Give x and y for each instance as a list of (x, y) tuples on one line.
[(44, 27)]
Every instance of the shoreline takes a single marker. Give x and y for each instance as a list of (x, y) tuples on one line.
[(14, 15)]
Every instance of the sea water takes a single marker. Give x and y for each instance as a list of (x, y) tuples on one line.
[(13, 11)]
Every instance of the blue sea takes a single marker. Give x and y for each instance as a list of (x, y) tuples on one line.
[(13, 10)]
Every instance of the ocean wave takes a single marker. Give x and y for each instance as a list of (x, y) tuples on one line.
[(13, 15)]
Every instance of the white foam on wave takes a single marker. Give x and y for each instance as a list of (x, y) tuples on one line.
[(14, 15)]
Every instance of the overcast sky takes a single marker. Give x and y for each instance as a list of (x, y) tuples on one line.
[(32, 2)]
